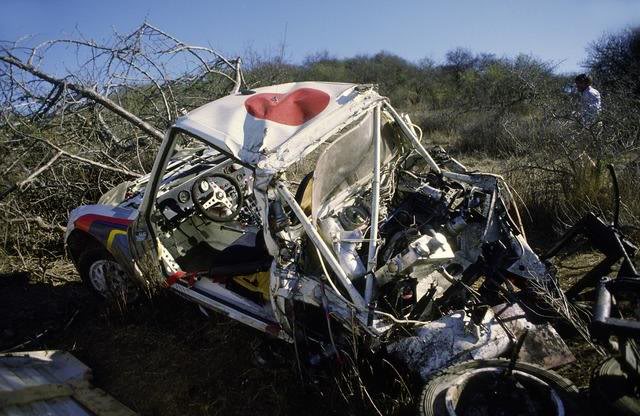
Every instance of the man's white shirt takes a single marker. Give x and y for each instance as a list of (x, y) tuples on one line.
[(591, 104)]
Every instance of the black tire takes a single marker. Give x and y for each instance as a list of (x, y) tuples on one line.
[(612, 391), (110, 293), (432, 401)]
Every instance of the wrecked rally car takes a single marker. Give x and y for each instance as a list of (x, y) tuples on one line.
[(313, 212)]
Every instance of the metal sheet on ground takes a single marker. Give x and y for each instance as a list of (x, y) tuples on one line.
[(52, 383)]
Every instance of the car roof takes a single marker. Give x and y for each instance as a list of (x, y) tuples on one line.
[(272, 127)]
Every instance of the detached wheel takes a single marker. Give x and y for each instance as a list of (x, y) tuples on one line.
[(481, 388), (106, 277)]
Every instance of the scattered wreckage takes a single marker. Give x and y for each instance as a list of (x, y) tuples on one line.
[(313, 212)]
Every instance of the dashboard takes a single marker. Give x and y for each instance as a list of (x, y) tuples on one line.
[(190, 192)]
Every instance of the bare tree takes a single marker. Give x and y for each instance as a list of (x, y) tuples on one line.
[(70, 133)]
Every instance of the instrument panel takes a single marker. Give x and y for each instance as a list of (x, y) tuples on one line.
[(177, 203)]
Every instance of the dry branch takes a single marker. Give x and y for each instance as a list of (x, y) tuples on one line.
[(87, 93), (77, 132), (40, 223)]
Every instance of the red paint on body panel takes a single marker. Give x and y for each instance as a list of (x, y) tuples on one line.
[(84, 223), (293, 109)]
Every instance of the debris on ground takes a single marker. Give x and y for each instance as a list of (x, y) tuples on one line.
[(52, 383)]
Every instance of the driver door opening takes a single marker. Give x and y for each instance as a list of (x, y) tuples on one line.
[(205, 216)]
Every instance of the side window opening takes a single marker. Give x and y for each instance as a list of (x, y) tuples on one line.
[(204, 213)]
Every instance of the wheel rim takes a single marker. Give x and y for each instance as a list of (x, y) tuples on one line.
[(110, 280), (535, 389)]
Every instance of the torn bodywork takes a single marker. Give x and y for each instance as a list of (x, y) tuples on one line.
[(313, 212)]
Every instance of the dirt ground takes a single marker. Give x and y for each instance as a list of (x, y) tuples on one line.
[(159, 357), (164, 357)]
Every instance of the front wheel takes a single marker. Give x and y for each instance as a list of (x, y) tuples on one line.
[(106, 277), (482, 387)]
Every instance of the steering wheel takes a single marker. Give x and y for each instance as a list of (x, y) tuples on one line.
[(217, 196)]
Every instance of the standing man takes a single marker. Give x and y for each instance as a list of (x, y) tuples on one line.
[(590, 101)]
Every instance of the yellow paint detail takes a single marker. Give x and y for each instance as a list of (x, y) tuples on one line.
[(112, 236), (256, 282)]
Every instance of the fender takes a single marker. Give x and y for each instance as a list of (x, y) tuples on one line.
[(106, 224)]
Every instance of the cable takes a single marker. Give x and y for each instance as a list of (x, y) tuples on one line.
[(516, 209), (295, 341), (400, 321), (325, 306), (333, 286), (419, 130)]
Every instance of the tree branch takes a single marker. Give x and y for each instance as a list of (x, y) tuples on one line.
[(89, 94)]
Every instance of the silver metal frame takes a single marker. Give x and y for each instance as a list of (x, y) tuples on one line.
[(414, 139), (357, 300), (375, 206), (316, 239), (319, 243)]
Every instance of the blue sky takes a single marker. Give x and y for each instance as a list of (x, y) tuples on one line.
[(556, 31)]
